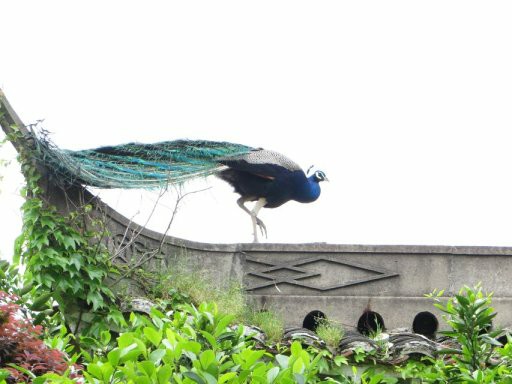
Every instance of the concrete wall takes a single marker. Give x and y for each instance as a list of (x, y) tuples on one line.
[(340, 280)]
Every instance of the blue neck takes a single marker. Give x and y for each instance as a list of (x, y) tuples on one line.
[(310, 192)]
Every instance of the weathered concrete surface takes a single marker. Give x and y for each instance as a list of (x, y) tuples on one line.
[(340, 280)]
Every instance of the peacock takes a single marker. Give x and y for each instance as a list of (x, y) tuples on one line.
[(271, 179), (264, 176)]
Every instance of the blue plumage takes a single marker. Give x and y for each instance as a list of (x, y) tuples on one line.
[(271, 179)]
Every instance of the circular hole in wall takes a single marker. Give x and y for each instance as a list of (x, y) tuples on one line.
[(370, 322), (426, 324), (313, 319)]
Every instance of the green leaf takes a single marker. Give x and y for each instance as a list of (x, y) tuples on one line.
[(282, 360), (226, 335), (251, 357), (340, 360), (164, 374), (206, 358), (38, 380), (211, 340), (299, 379), (95, 298), (26, 289), (41, 302), (147, 366), (113, 356), (227, 376), (95, 370), (298, 366), (323, 366), (153, 335), (306, 358), (226, 366), (107, 370), (376, 378), (76, 259), (243, 375), (157, 355), (296, 349), (130, 352), (47, 221), (490, 340), (272, 374), (40, 242), (222, 324), (191, 346), (194, 376), (142, 380), (116, 317), (95, 273), (257, 379), (209, 378), (68, 242), (463, 300)]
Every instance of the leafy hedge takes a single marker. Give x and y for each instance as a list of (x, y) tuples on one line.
[(199, 345), (189, 345)]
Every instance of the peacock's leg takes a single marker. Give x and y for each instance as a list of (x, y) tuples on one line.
[(256, 221), (241, 204)]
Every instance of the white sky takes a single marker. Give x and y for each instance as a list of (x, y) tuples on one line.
[(405, 105)]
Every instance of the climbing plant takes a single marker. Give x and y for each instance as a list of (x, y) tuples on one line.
[(64, 259)]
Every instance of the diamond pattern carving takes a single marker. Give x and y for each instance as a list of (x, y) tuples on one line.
[(296, 272)]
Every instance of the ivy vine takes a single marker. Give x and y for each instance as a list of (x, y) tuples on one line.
[(65, 259)]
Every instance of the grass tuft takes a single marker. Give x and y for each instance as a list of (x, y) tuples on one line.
[(179, 286), (268, 321), (330, 332)]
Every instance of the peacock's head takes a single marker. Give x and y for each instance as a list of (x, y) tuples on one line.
[(317, 176), (320, 176)]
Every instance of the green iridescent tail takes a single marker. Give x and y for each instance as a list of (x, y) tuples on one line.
[(136, 165)]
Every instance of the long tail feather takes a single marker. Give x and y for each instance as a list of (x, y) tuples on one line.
[(137, 165)]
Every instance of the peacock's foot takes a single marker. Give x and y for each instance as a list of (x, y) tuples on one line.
[(263, 230), (263, 227)]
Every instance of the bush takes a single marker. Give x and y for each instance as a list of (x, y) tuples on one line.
[(22, 352), (469, 314), (196, 345)]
